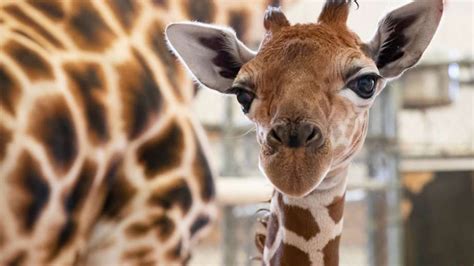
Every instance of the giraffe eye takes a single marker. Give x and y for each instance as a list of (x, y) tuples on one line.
[(364, 86), (245, 98)]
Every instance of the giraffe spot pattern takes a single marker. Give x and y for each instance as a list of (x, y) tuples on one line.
[(163, 152), (202, 11), (74, 201), (126, 12), (161, 225), (137, 229), (331, 252), (119, 190), (160, 48), (52, 125), (140, 95), (28, 36), (200, 222), (164, 226), (32, 24), (5, 138), (86, 81), (30, 191), (87, 28), (10, 91), (178, 193), (65, 236), (336, 209), (203, 174), (298, 220), (53, 9), (288, 255), (72, 204), (77, 192), (35, 66)]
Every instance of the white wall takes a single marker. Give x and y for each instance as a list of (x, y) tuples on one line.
[(440, 131)]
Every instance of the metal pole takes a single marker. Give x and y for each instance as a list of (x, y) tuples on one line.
[(229, 241), (382, 160)]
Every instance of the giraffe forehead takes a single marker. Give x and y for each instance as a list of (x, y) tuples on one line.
[(310, 37)]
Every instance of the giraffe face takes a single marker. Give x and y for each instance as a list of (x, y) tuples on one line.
[(308, 91), (309, 87)]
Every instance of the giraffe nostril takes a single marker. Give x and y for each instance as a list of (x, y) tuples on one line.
[(295, 135), (314, 135), (273, 135)]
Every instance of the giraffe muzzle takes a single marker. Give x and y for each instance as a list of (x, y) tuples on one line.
[(295, 157)]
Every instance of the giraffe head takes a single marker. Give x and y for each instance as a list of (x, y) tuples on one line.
[(309, 87)]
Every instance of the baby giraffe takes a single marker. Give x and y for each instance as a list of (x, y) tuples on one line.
[(308, 89)]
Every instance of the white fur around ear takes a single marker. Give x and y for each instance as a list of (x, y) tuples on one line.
[(213, 54), (403, 36)]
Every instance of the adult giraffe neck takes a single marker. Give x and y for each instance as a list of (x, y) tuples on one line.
[(307, 230)]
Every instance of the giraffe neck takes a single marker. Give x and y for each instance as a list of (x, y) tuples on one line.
[(306, 231)]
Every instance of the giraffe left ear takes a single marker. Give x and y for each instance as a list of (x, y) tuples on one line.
[(403, 36), (213, 54)]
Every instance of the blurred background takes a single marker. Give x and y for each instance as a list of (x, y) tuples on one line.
[(410, 199)]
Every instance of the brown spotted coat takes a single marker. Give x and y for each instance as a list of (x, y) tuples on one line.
[(101, 160)]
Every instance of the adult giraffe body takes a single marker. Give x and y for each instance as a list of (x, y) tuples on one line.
[(308, 89), (101, 160)]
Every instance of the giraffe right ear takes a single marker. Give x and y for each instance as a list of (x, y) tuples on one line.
[(403, 35), (213, 54)]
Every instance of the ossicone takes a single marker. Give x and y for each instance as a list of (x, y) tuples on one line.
[(336, 11), (274, 19)]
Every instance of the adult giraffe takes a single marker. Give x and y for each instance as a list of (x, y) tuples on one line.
[(101, 160), (308, 89)]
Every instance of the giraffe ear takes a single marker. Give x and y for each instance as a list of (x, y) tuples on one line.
[(213, 54), (403, 36)]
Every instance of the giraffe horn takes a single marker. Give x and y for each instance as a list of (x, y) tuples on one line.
[(336, 11), (274, 20)]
